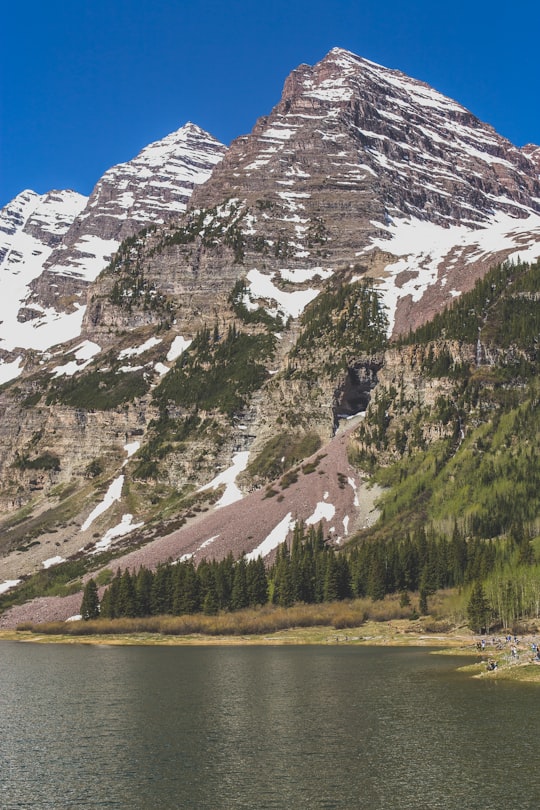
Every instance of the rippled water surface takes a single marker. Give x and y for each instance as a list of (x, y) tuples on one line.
[(260, 727)]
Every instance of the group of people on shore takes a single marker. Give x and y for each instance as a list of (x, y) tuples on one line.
[(511, 642)]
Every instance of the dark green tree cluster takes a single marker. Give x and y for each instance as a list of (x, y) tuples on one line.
[(479, 611), (309, 570), (502, 310), (217, 372), (99, 390), (212, 227), (351, 319), (178, 588), (131, 289), (421, 562), (90, 601)]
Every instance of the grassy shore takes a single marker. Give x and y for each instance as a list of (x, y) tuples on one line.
[(393, 634), (401, 632), (330, 624)]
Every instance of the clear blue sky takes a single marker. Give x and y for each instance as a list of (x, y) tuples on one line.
[(87, 84)]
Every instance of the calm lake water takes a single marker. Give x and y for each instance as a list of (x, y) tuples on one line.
[(259, 727)]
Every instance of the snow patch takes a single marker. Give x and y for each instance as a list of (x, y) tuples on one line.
[(300, 275), (114, 493), (84, 354), (178, 347), (277, 535), (352, 483), (208, 542), (124, 527), (323, 511), (421, 247), (135, 352), (53, 561), (228, 477), (9, 371), (127, 369), (8, 584), (291, 303), (131, 448)]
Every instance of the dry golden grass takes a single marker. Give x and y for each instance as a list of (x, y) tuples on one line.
[(260, 621)]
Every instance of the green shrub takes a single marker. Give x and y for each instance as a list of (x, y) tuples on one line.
[(98, 390)]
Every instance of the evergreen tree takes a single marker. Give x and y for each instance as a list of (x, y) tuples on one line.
[(185, 589), (478, 609), (331, 579), (257, 582), (127, 604), (239, 596), (161, 594), (90, 601), (143, 592)]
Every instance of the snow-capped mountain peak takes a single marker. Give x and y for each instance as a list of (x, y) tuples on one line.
[(53, 245), (354, 156)]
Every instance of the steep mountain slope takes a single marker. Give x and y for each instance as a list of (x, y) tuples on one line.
[(237, 336), (451, 433), (55, 245), (358, 164)]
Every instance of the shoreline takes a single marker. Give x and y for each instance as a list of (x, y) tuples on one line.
[(397, 633)]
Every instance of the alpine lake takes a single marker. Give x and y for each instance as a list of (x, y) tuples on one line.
[(287, 727)]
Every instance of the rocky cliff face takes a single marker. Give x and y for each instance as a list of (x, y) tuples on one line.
[(362, 165), (150, 189), (359, 176), (55, 245)]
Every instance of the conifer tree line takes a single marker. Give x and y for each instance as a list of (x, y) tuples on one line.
[(308, 570), (502, 308)]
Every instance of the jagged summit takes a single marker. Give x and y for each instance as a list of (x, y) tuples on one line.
[(431, 157), (149, 189), (358, 161), (57, 243)]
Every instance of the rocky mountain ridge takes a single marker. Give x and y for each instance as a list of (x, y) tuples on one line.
[(359, 164), (56, 245)]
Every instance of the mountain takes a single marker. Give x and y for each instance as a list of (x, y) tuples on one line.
[(55, 245), (199, 405), (359, 164)]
